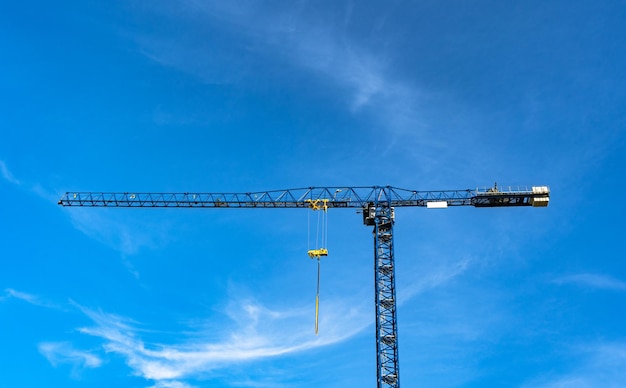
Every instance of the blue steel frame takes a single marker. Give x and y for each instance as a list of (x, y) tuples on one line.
[(387, 368), (337, 197)]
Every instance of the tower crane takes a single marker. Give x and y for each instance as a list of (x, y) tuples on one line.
[(377, 204)]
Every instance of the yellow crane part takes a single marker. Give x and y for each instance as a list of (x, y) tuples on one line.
[(317, 253), (318, 204)]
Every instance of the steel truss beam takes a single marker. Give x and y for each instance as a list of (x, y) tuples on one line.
[(334, 197), (387, 368)]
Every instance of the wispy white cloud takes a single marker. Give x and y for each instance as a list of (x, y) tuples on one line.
[(64, 353), (7, 175), (590, 280), (434, 278), (296, 38), (258, 333), (171, 384), (29, 298), (22, 295), (127, 236), (37, 188), (600, 365)]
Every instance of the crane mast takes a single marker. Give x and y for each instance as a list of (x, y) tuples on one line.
[(377, 204), (387, 370)]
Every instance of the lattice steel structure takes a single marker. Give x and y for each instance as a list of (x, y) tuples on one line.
[(385, 299), (377, 204)]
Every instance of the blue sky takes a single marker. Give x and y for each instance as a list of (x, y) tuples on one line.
[(251, 96)]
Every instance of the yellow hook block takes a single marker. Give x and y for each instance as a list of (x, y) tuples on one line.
[(317, 253)]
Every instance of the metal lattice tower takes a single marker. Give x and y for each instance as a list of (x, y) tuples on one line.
[(385, 298)]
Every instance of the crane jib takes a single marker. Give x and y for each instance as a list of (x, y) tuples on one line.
[(347, 197)]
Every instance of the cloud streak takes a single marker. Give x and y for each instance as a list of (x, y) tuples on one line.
[(600, 365), (594, 281), (300, 39), (171, 384), (29, 298), (7, 175), (37, 189), (433, 279), (64, 353), (127, 236), (259, 333)]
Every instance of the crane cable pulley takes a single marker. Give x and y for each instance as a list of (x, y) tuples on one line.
[(319, 249)]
